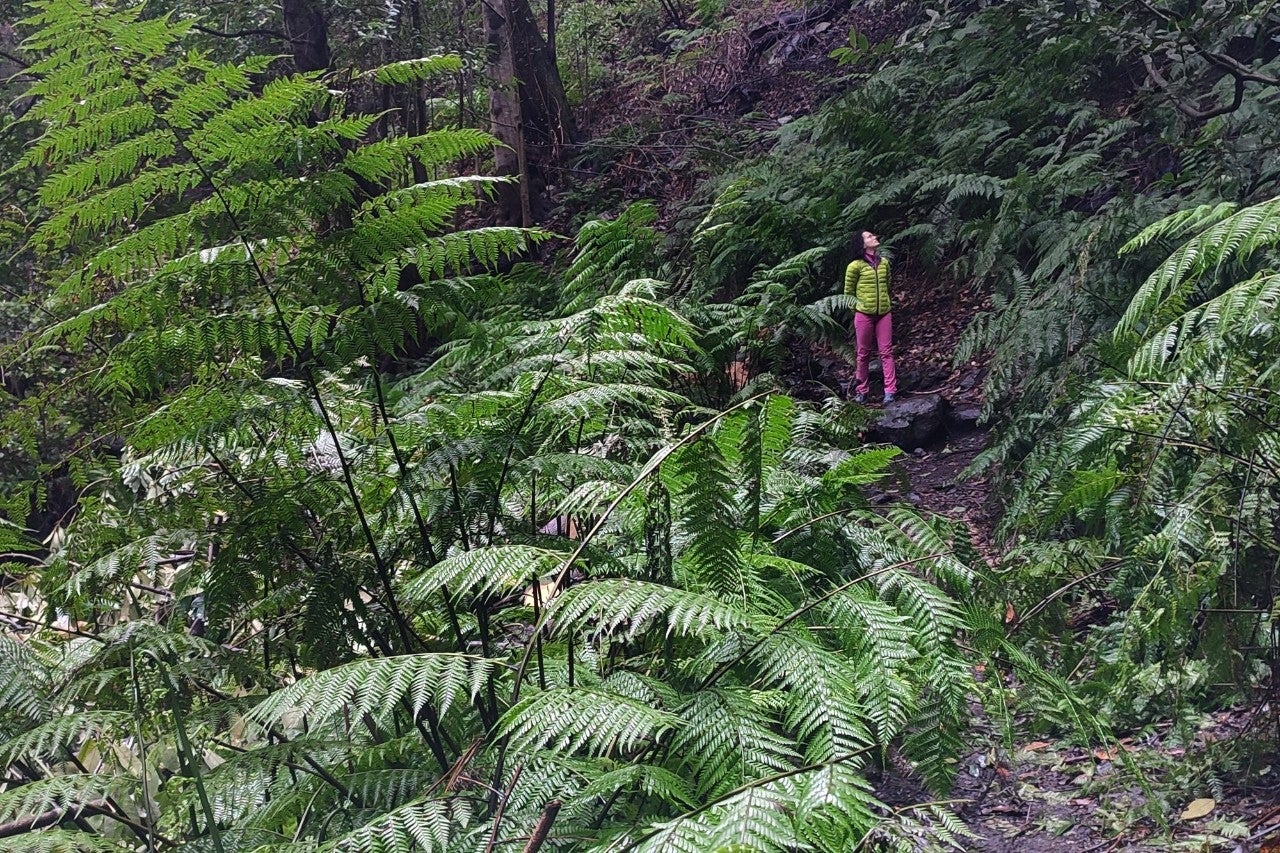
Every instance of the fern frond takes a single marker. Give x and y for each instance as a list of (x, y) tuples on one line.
[(824, 697), (376, 687), (414, 70), (1179, 223), (57, 793), (426, 825), (47, 741), (729, 737), (570, 719), (25, 681), (50, 840), (630, 606), (499, 568), (1234, 238), (650, 780)]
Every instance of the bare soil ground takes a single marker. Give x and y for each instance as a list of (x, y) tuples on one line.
[(1145, 793), (659, 122)]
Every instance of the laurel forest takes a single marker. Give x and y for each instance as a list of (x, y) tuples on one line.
[(378, 474)]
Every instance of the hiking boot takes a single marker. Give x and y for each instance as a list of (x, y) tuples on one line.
[(889, 398), (859, 397)]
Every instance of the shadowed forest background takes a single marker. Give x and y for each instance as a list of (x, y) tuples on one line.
[(425, 426)]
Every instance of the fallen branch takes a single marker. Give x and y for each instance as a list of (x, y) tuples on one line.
[(37, 623), (764, 36), (23, 825)]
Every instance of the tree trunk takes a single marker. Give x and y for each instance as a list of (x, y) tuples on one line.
[(504, 108), (548, 119), (528, 110), (308, 34), (551, 31)]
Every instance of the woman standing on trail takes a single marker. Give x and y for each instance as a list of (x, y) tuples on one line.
[(866, 279)]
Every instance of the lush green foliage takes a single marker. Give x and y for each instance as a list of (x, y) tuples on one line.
[(1162, 485), (1150, 429), (1026, 176), (536, 584), (386, 539)]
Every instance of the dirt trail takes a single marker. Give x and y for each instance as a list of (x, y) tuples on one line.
[(1042, 796), (930, 316)]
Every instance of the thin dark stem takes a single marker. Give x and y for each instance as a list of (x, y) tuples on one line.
[(457, 502), (147, 834), (525, 414), (191, 765), (654, 463), (500, 807), (235, 34), (18, 617), (1049, 599), (424, 531), (537, 617), (401, 464), (570, 654), (103, 808), (537, 583), (142, 742)]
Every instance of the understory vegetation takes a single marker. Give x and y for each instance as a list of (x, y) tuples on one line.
[(1138, 443), (395, 530)]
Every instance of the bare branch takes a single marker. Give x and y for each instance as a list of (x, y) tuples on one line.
[(105, 808), (1241, 72), (1186, 109), (1238, 69), (275, 34), (14, 59)]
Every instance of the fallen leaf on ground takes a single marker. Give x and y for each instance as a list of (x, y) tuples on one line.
[(1198, 808), (1036, 744)]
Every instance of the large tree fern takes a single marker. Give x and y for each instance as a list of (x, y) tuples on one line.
[(525, 587)]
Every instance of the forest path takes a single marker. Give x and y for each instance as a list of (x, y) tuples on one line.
[(930, 316), (1040, 796), (652, 126)]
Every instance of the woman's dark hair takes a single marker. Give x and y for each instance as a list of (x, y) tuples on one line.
[(856, 247)]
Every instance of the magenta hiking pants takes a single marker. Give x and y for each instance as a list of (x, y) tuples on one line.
[(869, 329)]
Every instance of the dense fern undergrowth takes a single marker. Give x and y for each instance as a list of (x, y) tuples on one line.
[(537, 589), (388, 539), (1133, 398)]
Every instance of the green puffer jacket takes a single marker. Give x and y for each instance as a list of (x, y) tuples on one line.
[(869, 286)]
